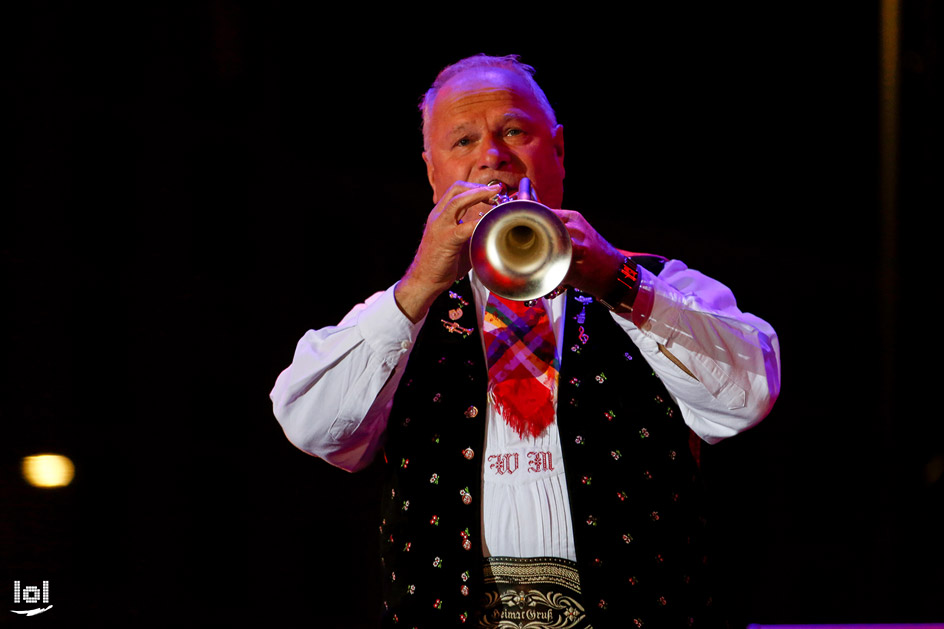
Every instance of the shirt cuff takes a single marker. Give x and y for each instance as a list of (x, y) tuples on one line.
[(384, 327), (645, 298), (657, 307)]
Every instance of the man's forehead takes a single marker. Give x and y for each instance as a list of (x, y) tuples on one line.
[(472, 88)]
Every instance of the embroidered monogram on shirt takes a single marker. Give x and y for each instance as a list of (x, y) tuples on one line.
[(508, 463), (540, 462)]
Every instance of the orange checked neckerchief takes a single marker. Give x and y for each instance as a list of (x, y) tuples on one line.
[(522, 364)]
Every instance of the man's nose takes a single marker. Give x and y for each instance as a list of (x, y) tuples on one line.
[(494, 155)]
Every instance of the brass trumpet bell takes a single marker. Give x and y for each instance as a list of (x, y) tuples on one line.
[(521, 250)]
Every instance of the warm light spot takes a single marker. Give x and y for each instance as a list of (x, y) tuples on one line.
[(48, 470)]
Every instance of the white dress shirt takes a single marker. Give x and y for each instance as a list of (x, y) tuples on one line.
[(333, 401)]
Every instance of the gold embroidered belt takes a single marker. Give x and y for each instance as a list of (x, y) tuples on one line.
[(538, 593)]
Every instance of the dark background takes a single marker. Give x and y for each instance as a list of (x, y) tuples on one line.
[(194, 185)]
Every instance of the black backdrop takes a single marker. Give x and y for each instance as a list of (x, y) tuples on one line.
[(194, 186)]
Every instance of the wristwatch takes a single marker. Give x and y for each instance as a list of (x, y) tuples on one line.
[(622, 294)]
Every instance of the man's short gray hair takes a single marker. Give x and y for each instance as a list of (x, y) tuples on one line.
[(476, 62)]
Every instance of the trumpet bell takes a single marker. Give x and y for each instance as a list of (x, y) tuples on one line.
[(520, 250)]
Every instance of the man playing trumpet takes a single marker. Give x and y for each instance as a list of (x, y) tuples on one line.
[(538, 456)]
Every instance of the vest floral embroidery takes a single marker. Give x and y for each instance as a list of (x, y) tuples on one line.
[(632, 480)]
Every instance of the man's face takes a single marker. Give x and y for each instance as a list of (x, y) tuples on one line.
[(486, 125)]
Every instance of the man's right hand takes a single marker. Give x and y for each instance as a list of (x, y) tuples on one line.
[(442, 256)]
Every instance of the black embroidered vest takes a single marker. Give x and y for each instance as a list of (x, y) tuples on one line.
[(631, 477)]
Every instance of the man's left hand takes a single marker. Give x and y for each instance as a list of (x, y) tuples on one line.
[(595, 261)]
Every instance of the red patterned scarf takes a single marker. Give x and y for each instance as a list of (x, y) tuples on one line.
[(522, 364)]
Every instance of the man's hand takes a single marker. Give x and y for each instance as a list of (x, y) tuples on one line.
[(595, 261), (442, 255)]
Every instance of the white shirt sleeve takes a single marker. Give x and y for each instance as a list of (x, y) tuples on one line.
[(734, 356), (333, 401)]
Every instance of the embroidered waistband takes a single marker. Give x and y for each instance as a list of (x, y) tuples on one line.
[(532, 571), (532, 593)]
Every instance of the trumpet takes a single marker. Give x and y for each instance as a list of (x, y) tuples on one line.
[(520, 250)]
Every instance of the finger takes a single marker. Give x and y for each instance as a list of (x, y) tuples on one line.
[(455, 189), (568, 216), (460, 188), (475, 213), (574, 223), (457, 206), (466, 226)]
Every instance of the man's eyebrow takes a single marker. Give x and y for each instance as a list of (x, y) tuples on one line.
[(459, 128), (513, 116)]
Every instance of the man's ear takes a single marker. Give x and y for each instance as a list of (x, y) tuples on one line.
[(557, 137), (430, 171)]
